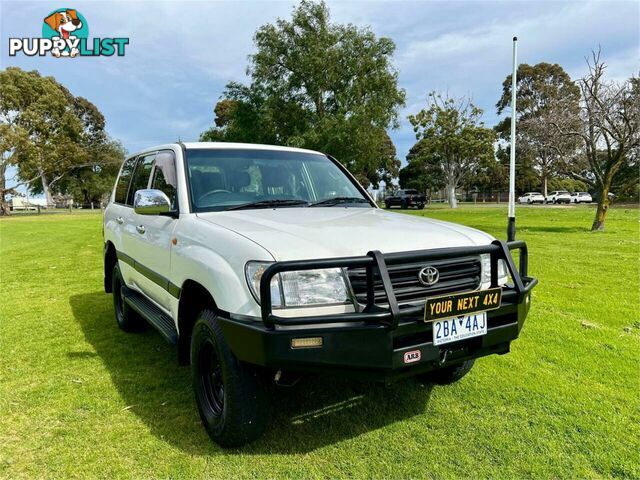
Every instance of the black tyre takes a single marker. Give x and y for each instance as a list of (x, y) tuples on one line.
[(386, 205), (420, 206), (404, 205), (448, 375), (230, 396), (126, 318)]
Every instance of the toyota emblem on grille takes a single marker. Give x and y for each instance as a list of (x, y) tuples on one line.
[(428, 276)]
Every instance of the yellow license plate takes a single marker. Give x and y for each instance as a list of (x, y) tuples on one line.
[(457, 304)]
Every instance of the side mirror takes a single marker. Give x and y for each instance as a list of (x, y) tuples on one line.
[(151, 202)]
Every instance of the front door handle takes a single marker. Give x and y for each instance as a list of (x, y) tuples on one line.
[(140, 229), (120, 220)]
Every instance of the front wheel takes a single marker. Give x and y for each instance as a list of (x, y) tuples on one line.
[(230, 397), (448, 375)]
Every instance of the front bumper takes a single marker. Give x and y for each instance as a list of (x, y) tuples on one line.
[(372, 343)]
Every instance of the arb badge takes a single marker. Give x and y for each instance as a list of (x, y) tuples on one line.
[(412, 356)]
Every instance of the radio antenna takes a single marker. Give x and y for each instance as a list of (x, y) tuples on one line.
[(511, 223)]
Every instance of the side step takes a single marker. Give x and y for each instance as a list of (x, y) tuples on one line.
[(152, 314)]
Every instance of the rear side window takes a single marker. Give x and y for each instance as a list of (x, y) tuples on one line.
[(122, 187), (141, 175)]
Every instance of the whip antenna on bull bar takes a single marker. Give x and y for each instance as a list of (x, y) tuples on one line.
[(511, 223)]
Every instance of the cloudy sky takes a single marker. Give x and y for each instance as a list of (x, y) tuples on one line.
[(181, 54)]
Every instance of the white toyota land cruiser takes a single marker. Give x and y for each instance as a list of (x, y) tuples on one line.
[(262, 263)]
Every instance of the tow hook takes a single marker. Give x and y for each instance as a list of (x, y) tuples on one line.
[(286, 379), (443, 356)]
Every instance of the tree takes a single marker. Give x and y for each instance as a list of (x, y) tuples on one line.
[(544, 94), (626, 181), (39, 108), (490, 176), (527, 179), (567, 183), (609, 131), (422, 172), (319, 85), (11, 136), (91, 183), (46, 132), (451, 135)]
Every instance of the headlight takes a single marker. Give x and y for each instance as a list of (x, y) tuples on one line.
[(503, 272), (253, 271), (300, 288)]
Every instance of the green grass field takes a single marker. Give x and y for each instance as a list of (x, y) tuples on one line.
[(79, 398)]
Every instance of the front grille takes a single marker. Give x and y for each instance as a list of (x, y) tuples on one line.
[(456, 275)]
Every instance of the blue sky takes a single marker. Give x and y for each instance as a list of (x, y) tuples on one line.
[(181, 54)]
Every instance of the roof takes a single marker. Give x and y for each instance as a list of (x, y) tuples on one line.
[(228, 145)]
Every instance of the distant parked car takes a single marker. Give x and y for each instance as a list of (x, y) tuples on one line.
[(581, 197), (531, 197), (559, 196), (406, 199)]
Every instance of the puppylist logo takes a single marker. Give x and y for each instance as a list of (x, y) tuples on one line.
[(65, 33)]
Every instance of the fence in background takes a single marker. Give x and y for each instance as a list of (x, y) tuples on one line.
[(53, 209)]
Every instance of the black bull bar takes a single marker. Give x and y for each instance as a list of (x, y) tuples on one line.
[(375, 262)]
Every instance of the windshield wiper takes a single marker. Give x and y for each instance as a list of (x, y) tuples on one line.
[(268, 204), (330, 202)]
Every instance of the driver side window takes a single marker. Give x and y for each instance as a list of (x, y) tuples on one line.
[(164, 176)]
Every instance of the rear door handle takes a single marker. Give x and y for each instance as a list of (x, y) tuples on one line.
[(120, 220), (140, 229)]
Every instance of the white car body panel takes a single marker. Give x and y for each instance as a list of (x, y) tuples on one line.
[(308, 233), (215, 257)]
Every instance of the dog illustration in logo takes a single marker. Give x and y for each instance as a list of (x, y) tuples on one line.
[(64, 23)]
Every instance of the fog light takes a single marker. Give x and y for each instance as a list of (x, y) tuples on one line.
[(309, 342)]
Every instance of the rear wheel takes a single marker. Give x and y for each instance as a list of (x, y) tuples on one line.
[(448, 375), (230, 397), (126, 318)]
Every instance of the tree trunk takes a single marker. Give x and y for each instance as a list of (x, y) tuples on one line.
[(45, 189), (4, 206), (601, 211), (545, 181), (451, 194)]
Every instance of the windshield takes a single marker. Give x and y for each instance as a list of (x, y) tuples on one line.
[(223, 179)]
